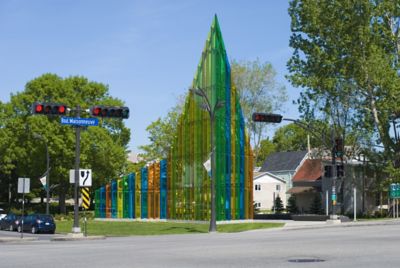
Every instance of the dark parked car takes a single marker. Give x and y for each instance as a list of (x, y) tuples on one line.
[(38, 223), (10, 222)]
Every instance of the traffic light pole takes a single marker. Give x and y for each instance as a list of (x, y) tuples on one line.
[(334, 176), (76, 228), (47, 180), (276, 118)]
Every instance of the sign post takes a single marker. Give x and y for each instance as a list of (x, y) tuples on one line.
[(394, 194), (23, 187), (76, 228), (85, 205)]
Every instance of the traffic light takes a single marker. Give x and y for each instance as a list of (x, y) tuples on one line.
[(328, 171), (340, 171), (49, 108), (339, 147), (108, 111), (268, 118)]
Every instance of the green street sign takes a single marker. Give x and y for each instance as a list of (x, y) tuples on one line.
[(394, 190)]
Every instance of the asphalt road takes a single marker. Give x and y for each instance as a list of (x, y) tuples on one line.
[(359, 246)]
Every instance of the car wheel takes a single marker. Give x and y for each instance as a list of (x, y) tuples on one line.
[(33, 230), (10, 228)]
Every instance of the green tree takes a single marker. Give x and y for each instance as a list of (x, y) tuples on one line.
[(316, 205), (258, 91), (103, 148), (346, 58), (278, 205), (295, 136), (290, 137), (266, 148), (292, 205), (162, 133)]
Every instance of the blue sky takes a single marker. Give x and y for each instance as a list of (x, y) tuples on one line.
[(145, 51)]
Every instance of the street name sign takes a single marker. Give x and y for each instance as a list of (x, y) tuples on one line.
[(83, 122)]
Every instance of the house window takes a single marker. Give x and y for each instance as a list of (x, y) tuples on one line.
[(257, 187), (278, 187)]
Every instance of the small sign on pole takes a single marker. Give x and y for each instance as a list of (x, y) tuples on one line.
[(23, 185), (23, 188), (85, 197), (207, 166), (43, 180), (83, 122), (85, 177)]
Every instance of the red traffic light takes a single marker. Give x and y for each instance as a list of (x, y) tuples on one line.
[(109, 111), (96, 111), (38, 108), (62, 109), (49, 108), (268, 118)]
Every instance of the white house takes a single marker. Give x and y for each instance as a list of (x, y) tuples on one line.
[(266, 188)]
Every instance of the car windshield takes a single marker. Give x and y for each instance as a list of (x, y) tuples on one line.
[(46, 218)]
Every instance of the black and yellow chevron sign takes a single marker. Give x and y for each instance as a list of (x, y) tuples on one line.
[(85, 197)]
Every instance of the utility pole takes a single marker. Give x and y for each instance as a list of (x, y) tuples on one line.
[(47, 171), (211, 111), (334, 175), (76, 228)]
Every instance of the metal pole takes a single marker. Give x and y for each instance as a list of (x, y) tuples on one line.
[(355, 203), (327, 202), (76, 228), (85, 223), (9, 195), (333, 176), (363, 187), (47, 179), (23, 208), (393, 211), (213, 222), (273, 202)]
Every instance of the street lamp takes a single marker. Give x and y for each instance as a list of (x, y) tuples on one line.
[(211, 111), (277, 118), (38, 136)]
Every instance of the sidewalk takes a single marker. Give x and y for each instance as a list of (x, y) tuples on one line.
[(293, 225)]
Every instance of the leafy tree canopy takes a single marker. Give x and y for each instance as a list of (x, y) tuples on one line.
[(103, 148), (346, 58)]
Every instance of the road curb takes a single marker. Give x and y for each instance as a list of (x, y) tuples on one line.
[(341, 225), (72, 238), (17, 239)]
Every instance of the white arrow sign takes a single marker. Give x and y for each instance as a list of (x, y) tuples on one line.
[(85, 177)]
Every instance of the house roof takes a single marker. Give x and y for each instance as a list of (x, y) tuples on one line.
[(283, 161), (301, 190), (310, 170), (269, 175)]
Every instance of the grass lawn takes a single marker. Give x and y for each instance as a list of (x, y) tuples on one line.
[(112, 228)]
